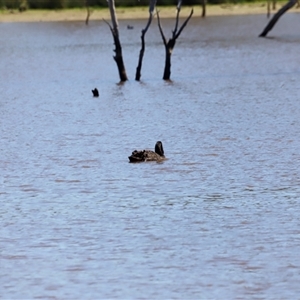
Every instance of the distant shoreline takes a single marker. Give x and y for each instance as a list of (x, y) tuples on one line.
[(133, 13)]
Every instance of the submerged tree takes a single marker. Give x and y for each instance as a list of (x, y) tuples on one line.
[(203, 4), (170, 44), (118, 57), (276, 17), (269, 7), (88, 12), (142, 51)]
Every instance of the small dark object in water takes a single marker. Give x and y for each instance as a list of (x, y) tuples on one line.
[(129, 27), (95, 92), (148, 155)]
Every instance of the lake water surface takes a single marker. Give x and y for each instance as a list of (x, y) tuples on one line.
[(220, 219)]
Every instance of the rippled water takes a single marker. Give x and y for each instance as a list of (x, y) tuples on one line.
[(218, 219)]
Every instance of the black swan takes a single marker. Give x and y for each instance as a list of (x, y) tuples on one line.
[(148, 155)]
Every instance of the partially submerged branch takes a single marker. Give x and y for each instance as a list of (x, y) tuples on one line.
[(88, 14), (142, 51), (268, 8), (276, 17), (203, 4), (170, 44), (160, 29), (118, 57), (184, 24)]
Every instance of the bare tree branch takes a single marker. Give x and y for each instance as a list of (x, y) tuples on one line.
[(113, 16), (276, 17), (88, 12), (152, 5), (184, 24), (118, 57), (268, 8), (169, 46), (142, 51), (160, 29), (178, 8), (203, 4)]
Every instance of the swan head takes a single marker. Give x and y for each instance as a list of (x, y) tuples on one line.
[(159, 148)]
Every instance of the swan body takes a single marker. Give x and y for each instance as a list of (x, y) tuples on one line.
[(148, 155)]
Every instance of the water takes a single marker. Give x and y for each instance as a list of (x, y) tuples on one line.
[(218, 219)]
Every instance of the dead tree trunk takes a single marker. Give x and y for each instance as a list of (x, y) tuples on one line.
[(276, 17), (203, 4), (118, 57), (88, 12), (268, 8), (142, 51), (169, 45)]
